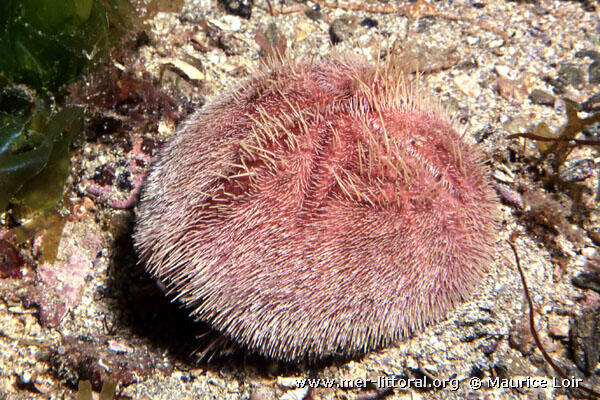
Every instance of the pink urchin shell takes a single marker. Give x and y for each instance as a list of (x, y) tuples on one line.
[(323, 207)]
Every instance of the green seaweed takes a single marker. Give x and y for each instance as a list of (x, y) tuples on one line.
[(47, 43), (34, 148), (44, 190)]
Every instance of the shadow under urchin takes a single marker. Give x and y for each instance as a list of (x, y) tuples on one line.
[(322, 208), (144, 309)]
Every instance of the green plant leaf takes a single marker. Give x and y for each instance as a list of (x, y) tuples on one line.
[(34, 148), (16, 169), (44, 190)]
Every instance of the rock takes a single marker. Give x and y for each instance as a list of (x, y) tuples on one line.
[(584, 338), (242, 8), (369, 23), (303, 30), (587, 280), (517, 124), (558, 326), (468, 85), (468, 63), (594, 234), (313, 12), (185, 69), (502, 176), (541, 97), (118, 347), (594, 73), (11, 261), (496, 43), (490, 345), (472, 40), (288, 381), (342, 28), (520, 336), (577, 170), (502, 70), (60, 284), (594, 55), (261, 394), (571, 75), (558, 86), (82, 358), (507, 194), (512, 89), (424, 24), (591, 104), (297, 394)]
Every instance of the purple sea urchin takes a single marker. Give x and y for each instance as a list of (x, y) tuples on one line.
[(322, 207)]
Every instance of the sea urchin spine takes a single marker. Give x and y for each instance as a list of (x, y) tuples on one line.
[(323, 207)]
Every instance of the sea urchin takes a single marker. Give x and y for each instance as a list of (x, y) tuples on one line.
[(322, 207)]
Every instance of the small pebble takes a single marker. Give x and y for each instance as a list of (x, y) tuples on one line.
[(502, 70), (538, 96), (570, 74), (591, 104), (520, 337), (341, 29), (424, 24), (26, 377), (118, 347), (468, 85), (496, 43), (297, 394), (11, 261), (104, 175), (584, 340), (502, 177), (594, 73), (468, 63), (576, 170), (242, 8), (558, 86), (558, 326), (261, 394), (594, 55), (369, 23), (288, 381), (124, 181), (313, 12), (149, 146)]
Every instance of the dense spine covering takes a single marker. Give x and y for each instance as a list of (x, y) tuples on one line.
[(323, 207)]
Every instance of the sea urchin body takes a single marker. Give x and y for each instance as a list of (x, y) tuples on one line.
[(323, 207)]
